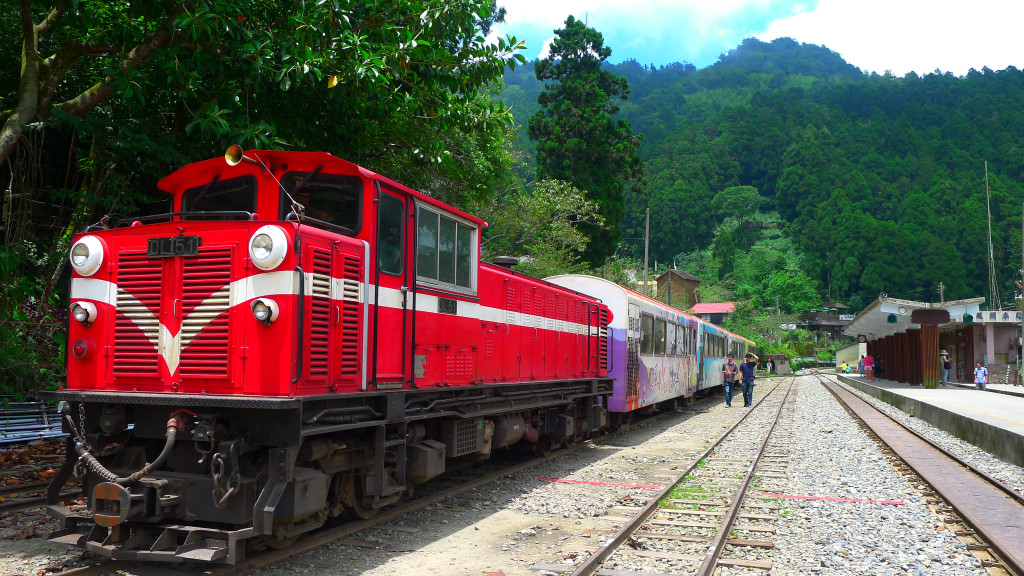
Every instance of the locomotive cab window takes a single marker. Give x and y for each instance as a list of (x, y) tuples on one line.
[(232, 195), (390, 212), (445, 251), (330, 200)]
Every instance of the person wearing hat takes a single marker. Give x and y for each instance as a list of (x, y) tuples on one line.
[(944, 369), (747, 370), (729, 373)]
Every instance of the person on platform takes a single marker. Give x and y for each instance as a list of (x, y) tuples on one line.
[(869, 368), (980, 376), (860, 365), (845, 369), (747, 370), (944, 369), (730, 372)]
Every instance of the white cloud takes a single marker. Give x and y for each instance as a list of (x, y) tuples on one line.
[(905, 35), (874, 35)]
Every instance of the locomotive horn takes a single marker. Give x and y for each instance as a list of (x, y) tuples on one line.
[(235, 156)]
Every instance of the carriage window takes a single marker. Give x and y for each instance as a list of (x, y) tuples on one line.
[(659, 336), (670, 339), (445, 251), (233, 195), (646, 334), (389, 234), (327, 198)]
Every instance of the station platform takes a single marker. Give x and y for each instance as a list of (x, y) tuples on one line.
[(991, 419)]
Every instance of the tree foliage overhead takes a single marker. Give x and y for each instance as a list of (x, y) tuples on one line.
[(98, 100), (388, 76), (577, 138)]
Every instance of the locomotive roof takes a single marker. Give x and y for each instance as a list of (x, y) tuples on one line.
[(185, 176)]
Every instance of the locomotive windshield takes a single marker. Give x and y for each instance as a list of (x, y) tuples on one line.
[(329, 198), (232, 195)]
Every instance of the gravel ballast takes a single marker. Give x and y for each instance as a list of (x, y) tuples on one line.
[(522, 526)]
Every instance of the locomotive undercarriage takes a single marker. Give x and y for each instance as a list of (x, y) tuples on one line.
[(186, 478)]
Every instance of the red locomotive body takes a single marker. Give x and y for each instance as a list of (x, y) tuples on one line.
[(321, 336)]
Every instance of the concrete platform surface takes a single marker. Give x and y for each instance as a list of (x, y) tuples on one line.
[(991, 419)]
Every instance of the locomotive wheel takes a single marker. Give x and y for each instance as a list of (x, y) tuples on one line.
[(357, 505)]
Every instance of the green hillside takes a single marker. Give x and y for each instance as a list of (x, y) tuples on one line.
[(878, 180)]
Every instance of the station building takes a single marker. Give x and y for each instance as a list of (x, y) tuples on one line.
[(907, 338)]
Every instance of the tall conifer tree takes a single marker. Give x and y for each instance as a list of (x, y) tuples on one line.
[(577, 138)]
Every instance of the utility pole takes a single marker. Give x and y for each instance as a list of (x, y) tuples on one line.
[(942, 292), (647, 242)]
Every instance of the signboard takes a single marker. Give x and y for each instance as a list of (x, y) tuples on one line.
[(929, 316)]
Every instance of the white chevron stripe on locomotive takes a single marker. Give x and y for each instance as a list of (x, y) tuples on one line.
[(285, 283)]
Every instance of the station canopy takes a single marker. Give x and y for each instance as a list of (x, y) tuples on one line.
[(887, 316)]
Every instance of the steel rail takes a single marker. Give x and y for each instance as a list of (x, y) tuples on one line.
[(100, 569), (597, 558), (312, 541), (1011, 561), (995, 482), (710, 562), (14, 505)]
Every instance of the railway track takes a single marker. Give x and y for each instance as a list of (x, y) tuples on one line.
[(464, 483), (984, 513), (312, 541), (27, 497), (705, 517)]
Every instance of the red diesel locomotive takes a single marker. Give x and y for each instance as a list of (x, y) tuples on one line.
[(298, 339)]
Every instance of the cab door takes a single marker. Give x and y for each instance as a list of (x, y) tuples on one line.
[(391, 345)]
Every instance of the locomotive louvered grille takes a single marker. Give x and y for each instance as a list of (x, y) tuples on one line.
[(510, 305), (350, 316), (320, 314), (458, 365), (205, 300), (137, 322)]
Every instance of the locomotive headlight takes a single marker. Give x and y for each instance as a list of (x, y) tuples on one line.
[(268, 247), (264, 310), (84, 312), (87, 255)]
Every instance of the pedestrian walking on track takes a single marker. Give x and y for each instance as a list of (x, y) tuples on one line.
[(747, 370), (729, 374)]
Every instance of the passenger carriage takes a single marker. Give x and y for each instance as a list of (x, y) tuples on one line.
[(657, 353)]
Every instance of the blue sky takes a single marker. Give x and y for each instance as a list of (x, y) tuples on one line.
[(874, 35)]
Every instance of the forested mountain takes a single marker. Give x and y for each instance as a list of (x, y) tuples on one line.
[(879, 180)]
